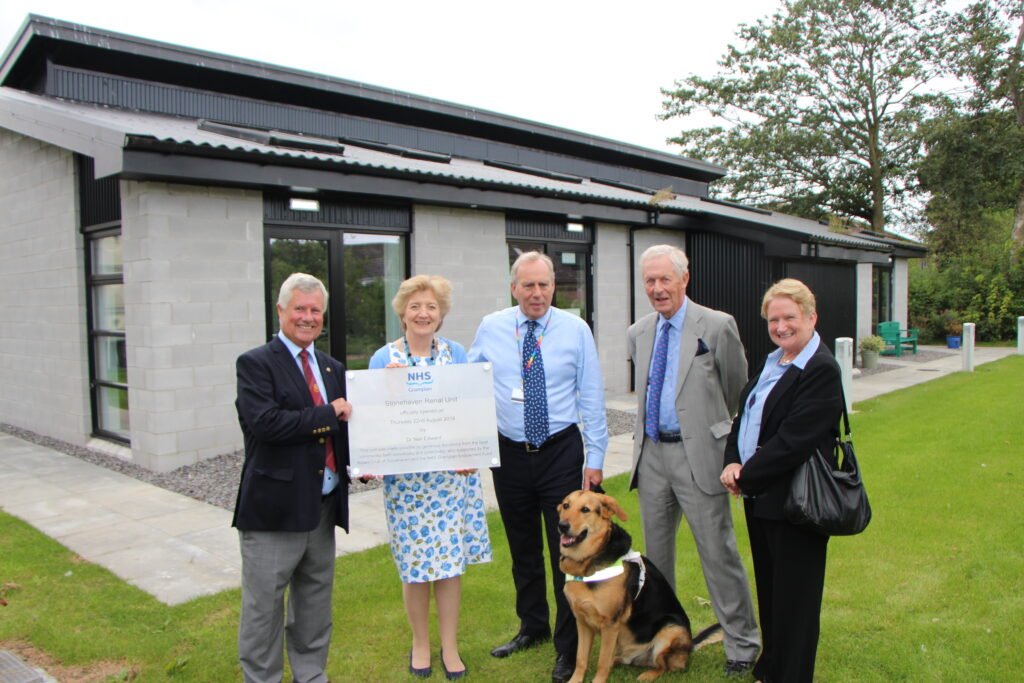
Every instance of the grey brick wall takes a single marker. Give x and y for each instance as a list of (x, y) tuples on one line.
[(44, 368), (193, 260), (467, 247), (611, 305)]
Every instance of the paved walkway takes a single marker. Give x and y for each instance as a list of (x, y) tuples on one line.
[(177, 548)]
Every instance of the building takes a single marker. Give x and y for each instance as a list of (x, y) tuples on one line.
[(152, 198)]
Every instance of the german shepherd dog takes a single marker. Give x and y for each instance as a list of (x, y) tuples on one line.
[(620, 593)]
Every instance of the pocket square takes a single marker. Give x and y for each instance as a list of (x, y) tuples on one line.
[(702, 348)]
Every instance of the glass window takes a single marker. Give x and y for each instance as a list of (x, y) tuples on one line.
[(289, 256), (572, 268), (374, 268), (106, 255), (362, 272), (109, 368)]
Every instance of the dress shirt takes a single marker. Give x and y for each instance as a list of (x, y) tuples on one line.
[(668, 418), (330, 478), (572, 374), (750, 423)]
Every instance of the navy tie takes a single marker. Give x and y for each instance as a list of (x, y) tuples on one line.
[(657, 382), (535, 392)]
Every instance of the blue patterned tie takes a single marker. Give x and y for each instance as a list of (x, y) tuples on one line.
[(657, 382), (535, 392)]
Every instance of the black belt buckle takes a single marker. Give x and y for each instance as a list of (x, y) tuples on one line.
[(530, 448)]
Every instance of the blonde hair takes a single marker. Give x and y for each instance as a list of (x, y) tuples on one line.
[(439, 286), (793, 289)]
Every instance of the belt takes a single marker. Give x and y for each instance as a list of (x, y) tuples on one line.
[(551, 440), (669, 437)]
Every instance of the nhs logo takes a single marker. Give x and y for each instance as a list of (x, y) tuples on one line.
[(418, 378)]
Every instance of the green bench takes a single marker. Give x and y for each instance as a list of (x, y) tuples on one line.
[(896, 339)]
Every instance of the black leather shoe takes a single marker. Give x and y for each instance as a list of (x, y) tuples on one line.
[(522, 641), (564, 667), (419, 673), (735, 667)]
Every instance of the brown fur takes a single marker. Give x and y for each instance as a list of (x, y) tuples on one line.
[(592, 541)]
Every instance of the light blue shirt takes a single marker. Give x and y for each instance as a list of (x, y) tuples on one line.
[(572, 375), (330, 478), (750, 424), (668, 418)]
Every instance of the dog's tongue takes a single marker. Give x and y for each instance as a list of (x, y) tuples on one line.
[(567, 540)]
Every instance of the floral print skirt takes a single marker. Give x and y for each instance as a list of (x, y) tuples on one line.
[(437, 524)]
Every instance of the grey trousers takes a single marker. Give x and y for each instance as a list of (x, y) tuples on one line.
[(302, 563), (667, 492)]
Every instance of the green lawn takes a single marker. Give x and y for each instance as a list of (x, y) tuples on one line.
[(932, 591)]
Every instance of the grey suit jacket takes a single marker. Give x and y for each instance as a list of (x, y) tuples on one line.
[(707, 391)]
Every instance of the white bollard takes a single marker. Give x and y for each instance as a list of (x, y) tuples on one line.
[(968, 347), (844, 356), (1020, 336)]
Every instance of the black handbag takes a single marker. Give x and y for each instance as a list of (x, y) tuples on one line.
[(827, 493)]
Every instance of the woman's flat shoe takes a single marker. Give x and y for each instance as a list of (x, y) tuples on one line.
[(419, 673), (453, 675)]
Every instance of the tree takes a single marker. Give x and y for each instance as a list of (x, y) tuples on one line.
[(988, 51), (823, 103)]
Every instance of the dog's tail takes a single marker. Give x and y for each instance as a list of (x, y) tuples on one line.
[(712, 634)]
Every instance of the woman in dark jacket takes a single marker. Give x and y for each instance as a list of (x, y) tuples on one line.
[(790, 407)]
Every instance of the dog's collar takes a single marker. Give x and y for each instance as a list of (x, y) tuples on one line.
[(613, 570)]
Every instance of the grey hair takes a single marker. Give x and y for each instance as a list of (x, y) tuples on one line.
[(304, 283), (529, 256), (676, 255)]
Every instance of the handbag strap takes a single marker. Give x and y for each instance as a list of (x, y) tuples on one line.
[(846, 418)]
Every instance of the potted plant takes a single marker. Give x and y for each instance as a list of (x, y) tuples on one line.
[(954, 329), (870, 347)]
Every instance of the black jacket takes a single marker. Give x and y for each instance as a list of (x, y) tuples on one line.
[(801, 414), (282, 477)]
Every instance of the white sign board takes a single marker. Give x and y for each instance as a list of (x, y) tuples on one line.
[(422, 419)]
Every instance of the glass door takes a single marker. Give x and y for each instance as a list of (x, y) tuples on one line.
[(572, 273), (361, 271)]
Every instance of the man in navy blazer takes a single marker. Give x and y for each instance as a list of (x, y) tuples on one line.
[(292, 411)]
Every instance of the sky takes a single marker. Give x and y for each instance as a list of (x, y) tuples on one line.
[(589, 66)]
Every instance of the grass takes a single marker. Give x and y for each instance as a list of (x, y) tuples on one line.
[(932, 591)]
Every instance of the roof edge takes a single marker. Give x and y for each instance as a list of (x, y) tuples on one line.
[(57, 29)]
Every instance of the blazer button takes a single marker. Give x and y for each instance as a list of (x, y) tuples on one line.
[(322, 441), (320, 472)]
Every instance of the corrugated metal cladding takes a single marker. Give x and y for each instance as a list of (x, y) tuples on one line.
[(391, 217), (99, 201), (547, 229), (133, 94), (732, 275), (835, 288)]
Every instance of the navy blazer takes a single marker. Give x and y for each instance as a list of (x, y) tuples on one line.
[(801, 414), (282, 477)]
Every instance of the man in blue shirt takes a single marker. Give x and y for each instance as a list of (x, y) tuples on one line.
[(690, 368), (547, 379)]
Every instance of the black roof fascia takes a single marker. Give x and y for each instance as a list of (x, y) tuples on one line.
[(87, 47), (152, 160)]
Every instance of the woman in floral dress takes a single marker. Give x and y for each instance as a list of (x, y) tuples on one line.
[(436, 520)]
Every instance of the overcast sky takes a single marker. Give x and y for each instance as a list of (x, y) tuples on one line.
[(589, 66)]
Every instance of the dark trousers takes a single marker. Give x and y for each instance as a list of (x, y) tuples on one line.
[(529, 487), (789, 569)]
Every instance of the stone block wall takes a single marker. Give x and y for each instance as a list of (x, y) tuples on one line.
[(193, 274), (468, 247), (611, 305), (44, 366)]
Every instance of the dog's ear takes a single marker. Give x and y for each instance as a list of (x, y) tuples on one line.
[(612, 506)]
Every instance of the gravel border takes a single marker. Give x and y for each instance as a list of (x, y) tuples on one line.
[(213, 481)]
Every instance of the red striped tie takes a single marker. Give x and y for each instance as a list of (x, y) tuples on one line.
[(318, 400)]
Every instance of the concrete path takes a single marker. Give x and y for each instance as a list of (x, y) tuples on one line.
[(177, 548)]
